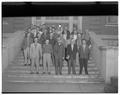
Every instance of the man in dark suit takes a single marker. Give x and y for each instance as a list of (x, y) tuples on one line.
[(45, 35), (52, 42), (83, 56), (59, 53), (71, 55)]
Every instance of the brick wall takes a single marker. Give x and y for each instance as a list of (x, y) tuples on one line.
[(12, 24), (93, 23), (97, 24)]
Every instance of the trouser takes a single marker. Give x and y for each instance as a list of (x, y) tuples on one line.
[(83, 63), (77, 59), (46, 62), (35, 64), (40, 61), (27, 55), (58, 65), (71, 64), (53, 59), (66, 54)]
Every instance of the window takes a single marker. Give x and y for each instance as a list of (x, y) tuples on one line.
[(111, 20)]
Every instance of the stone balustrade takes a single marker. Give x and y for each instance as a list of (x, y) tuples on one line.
[(106, 57), (11, 48), (109, 62)]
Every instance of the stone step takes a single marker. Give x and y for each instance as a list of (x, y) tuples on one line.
[(22, 61), (56, 81), (53, 71), (64, 63), (51, 65), (21, 57), (40, 75), (82, 76), (54, 78), (71, 82), (51, 68)]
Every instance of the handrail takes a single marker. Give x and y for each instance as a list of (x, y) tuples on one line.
[(104, 56), (95, 51)]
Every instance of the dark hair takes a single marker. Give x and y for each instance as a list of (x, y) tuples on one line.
[(34, 39)]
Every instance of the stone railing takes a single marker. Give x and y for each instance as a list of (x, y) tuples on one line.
[(11, 48), (104, 56), (109, 62), (95, 51)]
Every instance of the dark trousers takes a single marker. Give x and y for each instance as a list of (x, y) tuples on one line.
[(53, 59), (83, 63), (66, 54), (58, 65), (71, 64)]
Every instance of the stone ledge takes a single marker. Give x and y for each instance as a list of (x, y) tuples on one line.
[(107, 47)]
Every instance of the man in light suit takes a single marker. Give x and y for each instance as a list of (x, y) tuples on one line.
[(59, 53), (35, 55), (71, 55), (83, 56), (47, 51)]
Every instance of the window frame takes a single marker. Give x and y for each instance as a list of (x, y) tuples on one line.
[(108, 23)]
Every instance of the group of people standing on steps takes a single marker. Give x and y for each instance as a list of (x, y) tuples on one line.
[(48, 45)]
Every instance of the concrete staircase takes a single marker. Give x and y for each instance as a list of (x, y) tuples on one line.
[(17, 78)]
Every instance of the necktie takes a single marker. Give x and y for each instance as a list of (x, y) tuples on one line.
[(35, 46)]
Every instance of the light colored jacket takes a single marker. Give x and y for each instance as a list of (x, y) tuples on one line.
[(36, 52)]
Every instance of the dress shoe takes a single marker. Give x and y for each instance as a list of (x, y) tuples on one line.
[(37, 72), (49, 73)]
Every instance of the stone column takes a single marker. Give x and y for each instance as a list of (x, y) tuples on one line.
[(34, 20), (109, 63), (80, 23), (43, 20), (70, 23)]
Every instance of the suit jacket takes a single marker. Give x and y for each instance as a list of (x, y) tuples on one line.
[(70, 52), (52, 42), (59, 50), (83, 53), (27, 41), (79, 42), (36, 52), (68, 35), (44, 37)]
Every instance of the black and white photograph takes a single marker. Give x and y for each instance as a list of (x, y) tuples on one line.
[(68, 47)]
